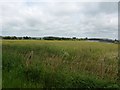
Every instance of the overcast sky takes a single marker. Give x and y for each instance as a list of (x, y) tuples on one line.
[(64, 19)]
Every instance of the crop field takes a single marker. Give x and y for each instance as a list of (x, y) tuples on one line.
[(59, 64)]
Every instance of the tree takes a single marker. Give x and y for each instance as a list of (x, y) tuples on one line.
[(26, 37), (14, 37), (74, 38), (7, 37), (86, 38)]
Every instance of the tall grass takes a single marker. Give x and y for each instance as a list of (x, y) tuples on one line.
[(66, 64)]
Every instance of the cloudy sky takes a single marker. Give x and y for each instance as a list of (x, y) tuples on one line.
[(64, 19)]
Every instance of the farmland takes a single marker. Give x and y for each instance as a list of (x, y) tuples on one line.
[(59, 64)]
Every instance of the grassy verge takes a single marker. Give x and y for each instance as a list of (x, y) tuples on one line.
[(64, 64)]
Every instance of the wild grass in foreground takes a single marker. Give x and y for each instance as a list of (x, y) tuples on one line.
[(64, 64)]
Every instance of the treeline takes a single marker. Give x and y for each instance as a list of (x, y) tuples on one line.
[(15, 38), (103, 40), (41, 38), (57, 38)]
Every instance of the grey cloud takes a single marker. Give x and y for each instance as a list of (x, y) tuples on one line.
[(61, 19)]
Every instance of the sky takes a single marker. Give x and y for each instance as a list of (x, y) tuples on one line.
[(61, 18)]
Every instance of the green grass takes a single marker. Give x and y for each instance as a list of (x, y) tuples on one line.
[(64, 64)]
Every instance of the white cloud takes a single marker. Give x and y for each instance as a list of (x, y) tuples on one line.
[(90, 19)]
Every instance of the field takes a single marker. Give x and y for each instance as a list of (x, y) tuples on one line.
[(59, 64)]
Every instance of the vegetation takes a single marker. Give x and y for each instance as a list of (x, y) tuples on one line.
[(54, 64), (58, 38)]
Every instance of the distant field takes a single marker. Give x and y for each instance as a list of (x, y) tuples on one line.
[(40, 64)]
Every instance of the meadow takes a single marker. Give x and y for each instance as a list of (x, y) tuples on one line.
[(59, 64)]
